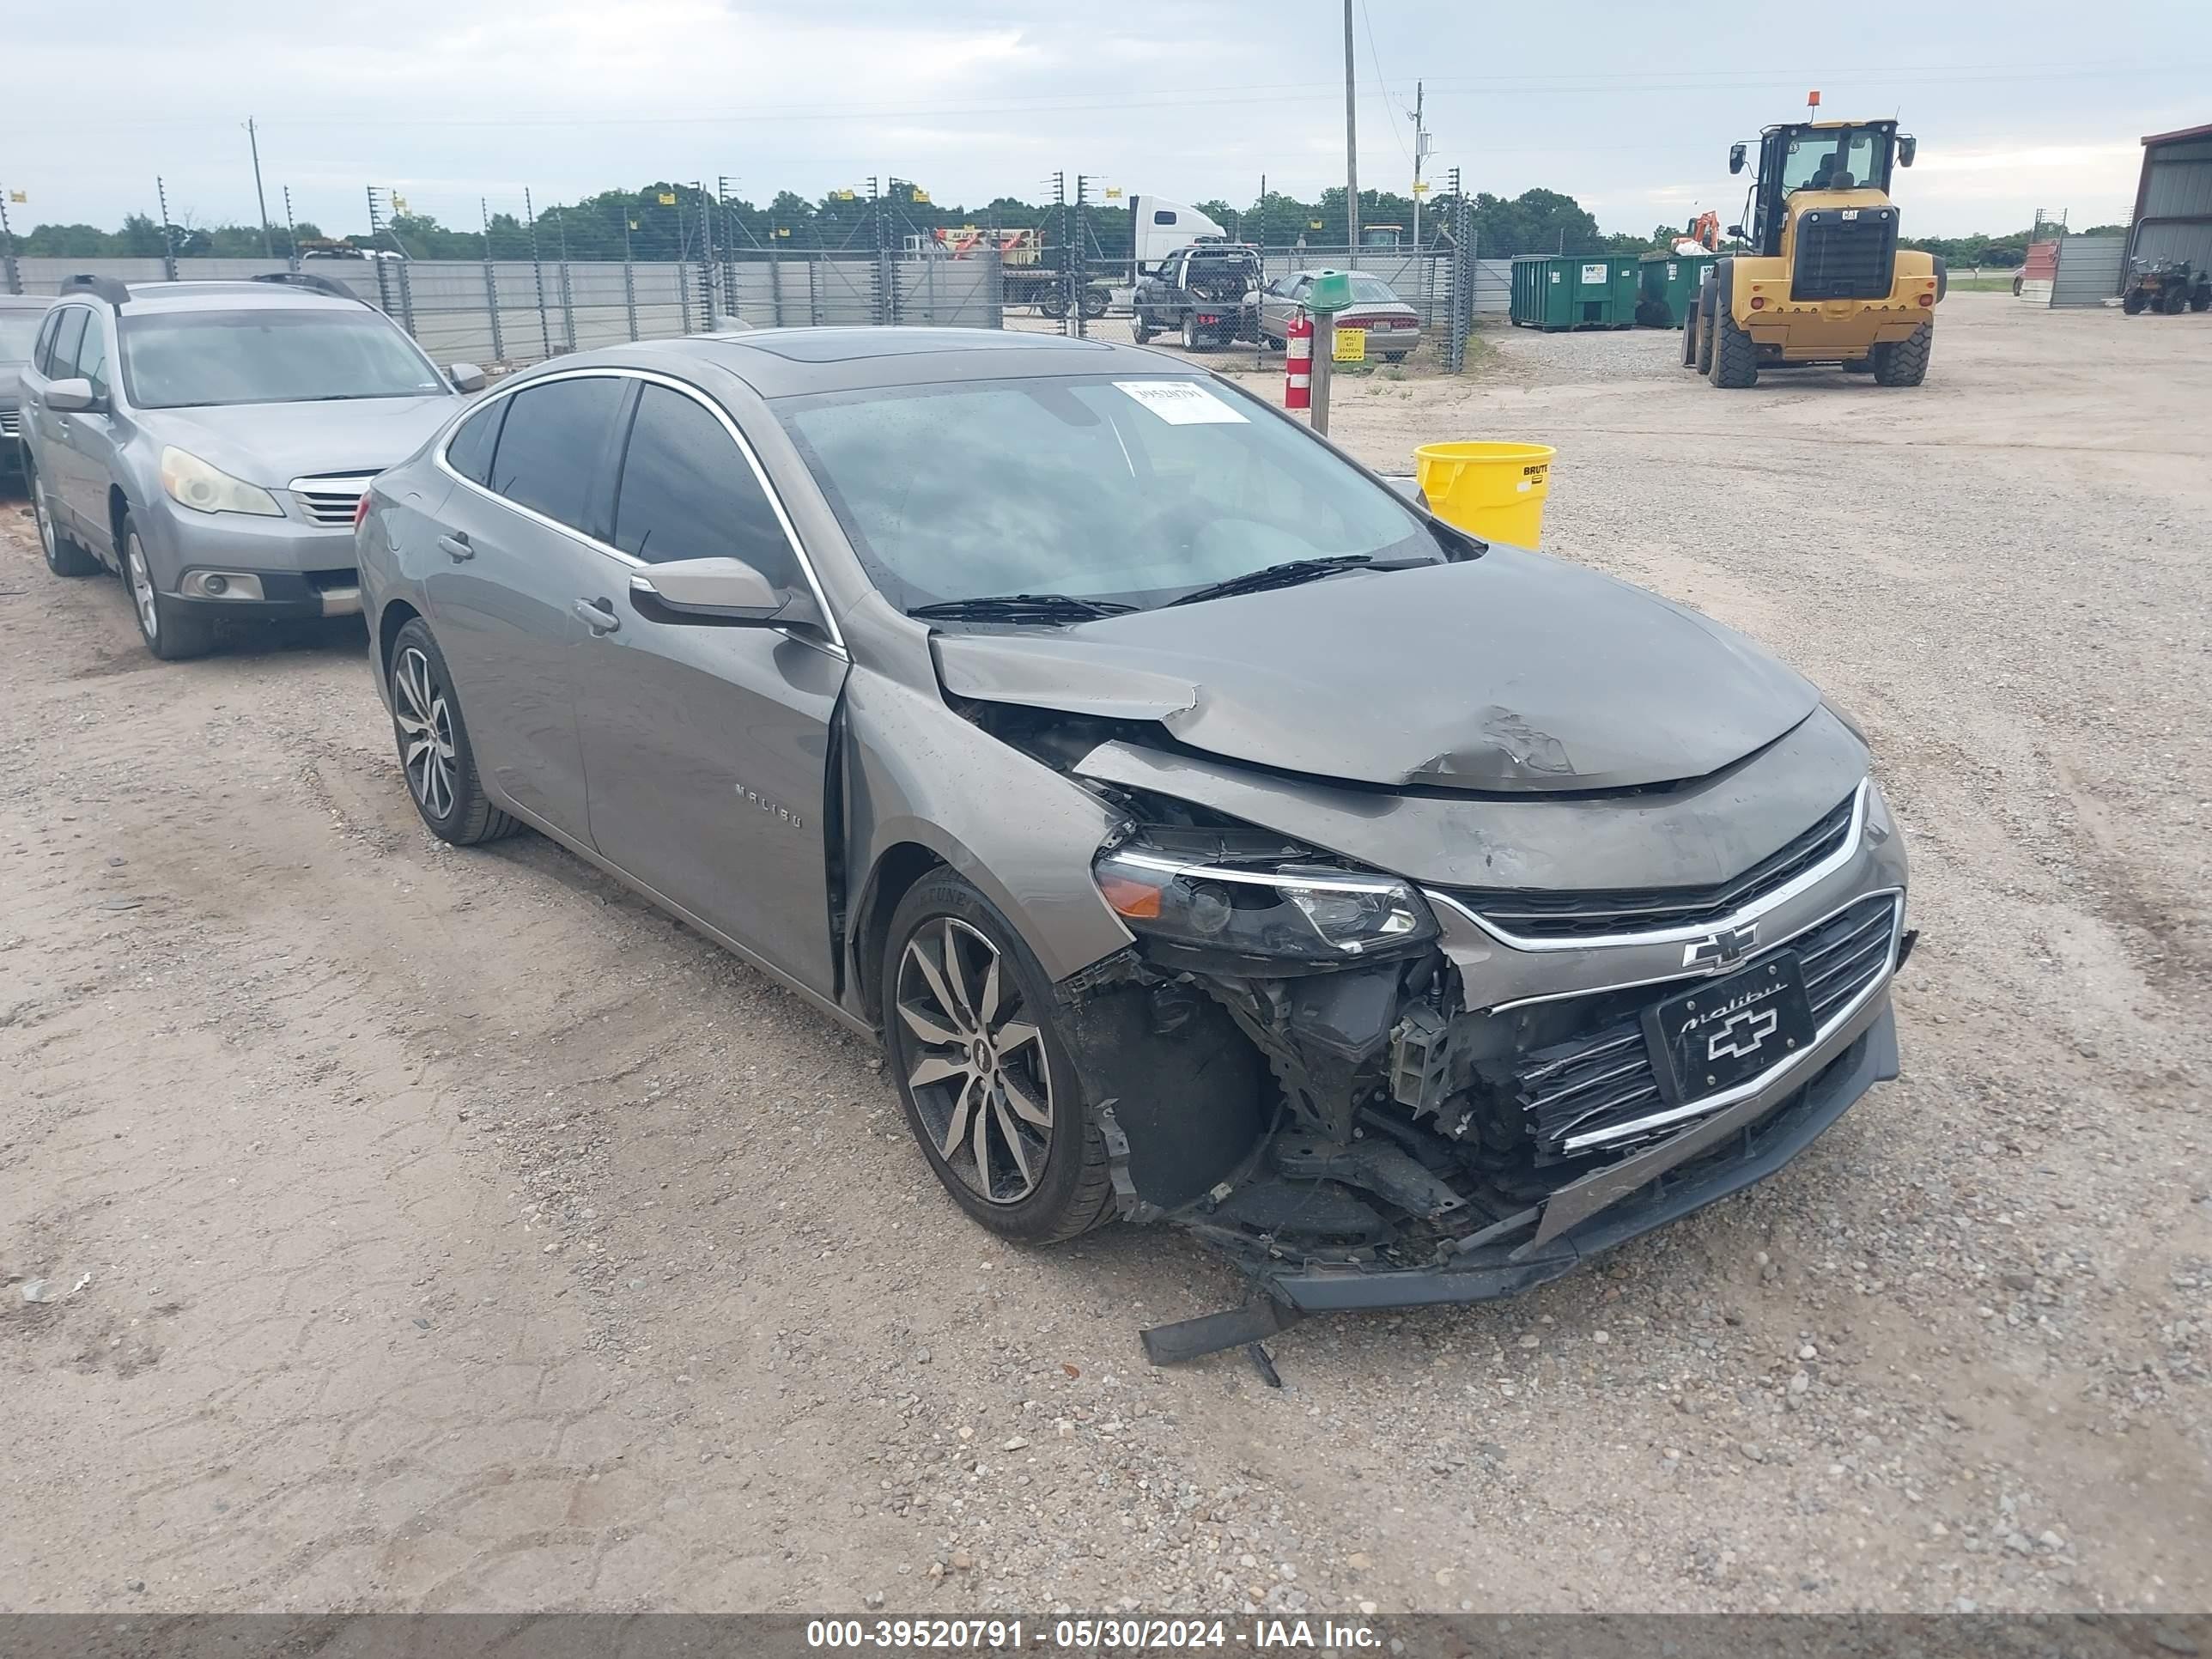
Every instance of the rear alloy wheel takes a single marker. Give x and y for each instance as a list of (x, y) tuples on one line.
[(989, 1090), (434, 744), (64, 557), (171, 631), (1904, 362), (1191, 338)]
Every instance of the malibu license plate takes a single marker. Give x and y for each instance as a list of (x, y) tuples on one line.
[(1728, 1029)]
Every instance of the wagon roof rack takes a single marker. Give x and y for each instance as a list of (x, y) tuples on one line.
[(106, 288), (308, 279)]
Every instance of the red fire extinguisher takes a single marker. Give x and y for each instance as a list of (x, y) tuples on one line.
[(1297, 361)]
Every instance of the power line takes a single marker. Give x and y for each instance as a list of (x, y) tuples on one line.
[(1286, 92)]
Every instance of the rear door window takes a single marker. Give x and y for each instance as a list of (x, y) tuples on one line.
[(689, 492), (470, 449), (551, 446)]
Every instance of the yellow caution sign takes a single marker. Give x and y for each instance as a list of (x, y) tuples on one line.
[(668, 198), (1113, 192), (921, 195), (1351, 345)]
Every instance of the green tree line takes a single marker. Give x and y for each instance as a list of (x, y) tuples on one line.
[(665, 221), (668, 221)]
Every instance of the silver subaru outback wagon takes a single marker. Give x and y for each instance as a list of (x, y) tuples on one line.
[(1211, 834)]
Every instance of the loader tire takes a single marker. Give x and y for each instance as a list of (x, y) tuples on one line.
[(1734, 354), (1904, 362), (1690, 337)]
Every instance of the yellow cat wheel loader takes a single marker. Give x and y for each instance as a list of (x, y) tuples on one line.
[(1822, 279)]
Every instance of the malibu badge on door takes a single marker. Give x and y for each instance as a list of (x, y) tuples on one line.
[(1715, 1037)]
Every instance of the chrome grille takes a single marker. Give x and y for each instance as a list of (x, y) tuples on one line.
[(1596, 914), (331, 501), (11, 423), (1602, 1079)]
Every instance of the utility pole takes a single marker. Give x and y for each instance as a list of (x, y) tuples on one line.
[(12, 278), (291, 233), (253, 141), (1350, 146), (1421, 155)]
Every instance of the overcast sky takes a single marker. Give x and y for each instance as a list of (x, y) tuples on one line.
[(1622, 104)]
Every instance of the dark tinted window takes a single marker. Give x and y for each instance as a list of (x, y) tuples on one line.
[(61, 352), (38, 357), (550, 445), (688, 493), (1163, 216), (469, 452)]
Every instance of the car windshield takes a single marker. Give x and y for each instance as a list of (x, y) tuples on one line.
[(196, 358), (1135, 490), (17, 329)]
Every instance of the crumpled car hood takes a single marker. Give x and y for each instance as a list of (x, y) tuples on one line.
[(1513, 673)]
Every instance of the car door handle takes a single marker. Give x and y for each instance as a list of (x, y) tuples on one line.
[(597, 615), (456, 547)]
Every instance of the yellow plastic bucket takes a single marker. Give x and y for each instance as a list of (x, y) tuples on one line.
[(1495, 490)]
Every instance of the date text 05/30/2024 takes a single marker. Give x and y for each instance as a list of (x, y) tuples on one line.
[(1092, 1635)]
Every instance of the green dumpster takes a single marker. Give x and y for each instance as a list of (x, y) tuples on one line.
[(1554, 291), (1669, 286)]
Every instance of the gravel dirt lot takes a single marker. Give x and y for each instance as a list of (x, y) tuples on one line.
[(455, 1232)]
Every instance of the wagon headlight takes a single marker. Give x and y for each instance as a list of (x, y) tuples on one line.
[(1286, 910), (190, 481)]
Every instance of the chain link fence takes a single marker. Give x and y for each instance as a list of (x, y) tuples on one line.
[(691, 265)]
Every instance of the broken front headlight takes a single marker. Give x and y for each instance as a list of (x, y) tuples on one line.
[(1288, 910)]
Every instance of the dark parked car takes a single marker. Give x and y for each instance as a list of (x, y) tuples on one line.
[(1209, 834), (20, 317), (1393, 328)]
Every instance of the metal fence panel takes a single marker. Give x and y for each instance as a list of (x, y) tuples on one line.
[(2088, 270)]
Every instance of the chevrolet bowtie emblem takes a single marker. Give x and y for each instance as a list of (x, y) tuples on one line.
[(1723, 949)]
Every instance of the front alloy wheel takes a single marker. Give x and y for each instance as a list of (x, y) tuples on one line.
[(981, 1082), (172, 630), (990, 1090)]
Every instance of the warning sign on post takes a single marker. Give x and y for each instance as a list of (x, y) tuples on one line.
[(1351, 345)]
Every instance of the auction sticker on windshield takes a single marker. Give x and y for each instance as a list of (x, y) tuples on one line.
[(1182, 403)]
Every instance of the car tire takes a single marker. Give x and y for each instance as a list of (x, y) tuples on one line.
[(1191, 339), (1140, 331), (983, 1041), (441, 778), (1904, 362), (64, 557), (173, 631)]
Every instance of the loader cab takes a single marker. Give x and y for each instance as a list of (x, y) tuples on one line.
[(1821, 157)]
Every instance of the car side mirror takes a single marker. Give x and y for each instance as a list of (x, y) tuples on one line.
[(69, 397), (717, 592), (467, 377), (1907, 148), (1736, 158)]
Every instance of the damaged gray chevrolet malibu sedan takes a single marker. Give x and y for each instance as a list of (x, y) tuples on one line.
[(1211, 834)]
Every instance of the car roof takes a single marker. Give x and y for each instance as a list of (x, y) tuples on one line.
[(216, 295), (789, 362)]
